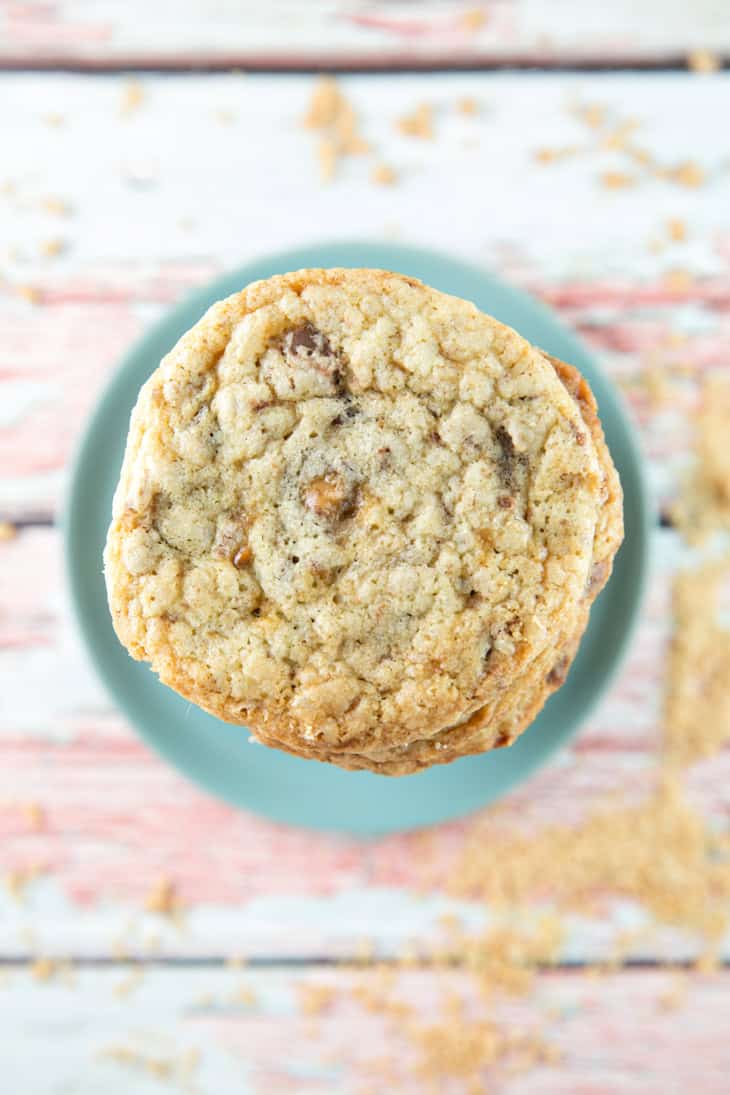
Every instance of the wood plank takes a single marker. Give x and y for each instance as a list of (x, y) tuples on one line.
[(374, 33), (225, 1029), (105, 823), (155, 221), (621, 280)]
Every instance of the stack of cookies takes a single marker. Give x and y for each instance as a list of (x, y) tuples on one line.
[(362, 519)]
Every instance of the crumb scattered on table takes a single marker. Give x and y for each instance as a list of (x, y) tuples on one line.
[(677, 281), (617, 180), (419, 123), (315, 998), (687, 174), (703, 61), (474, 19), (30, 293), (703, 505), (132, 97), (677, 229), (548, 155), (163, 899), (383, 175), (51, 248), (57, 207), (44, 969), (333, 115)]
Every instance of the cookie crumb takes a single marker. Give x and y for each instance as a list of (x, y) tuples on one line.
[(592, 114), (53, 247), (655, 383), (327, 156), (132, 98), (244, 994), (704, 502), (383, 175), (330, 112), (315, 999), (324, 104), (44, 969), (30, 293), (17, 881), (553, 155), (57, 207), (474, 19), (703, 61), (178, 1068), (236, 962), (8, 531), (687, 174), (35, 815), (677, 281), (697, 707), (163, 899), (617, 180), (129, 984), (419, 123), (467, 105), (677, 229), (617, 139), (347, 137), (675, 995)]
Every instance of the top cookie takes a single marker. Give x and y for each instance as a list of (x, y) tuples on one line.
[(354, 512)]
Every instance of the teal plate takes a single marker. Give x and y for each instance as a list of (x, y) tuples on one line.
[(300, 792)]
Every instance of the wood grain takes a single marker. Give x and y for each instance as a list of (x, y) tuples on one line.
[(214, 1030), (203, 174), (372, 34), (156, 222)]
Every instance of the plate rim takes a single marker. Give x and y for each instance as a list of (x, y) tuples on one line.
[(200, 299)]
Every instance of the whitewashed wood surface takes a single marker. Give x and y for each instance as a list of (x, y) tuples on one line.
[(368, 33), (208, 172)]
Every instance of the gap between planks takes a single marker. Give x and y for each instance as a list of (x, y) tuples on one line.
[(323, 961), (344, 64)]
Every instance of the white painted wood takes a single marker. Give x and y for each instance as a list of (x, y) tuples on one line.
[(174, 184), (174, 193), (162, 199), (372, 32), (244, 1031)]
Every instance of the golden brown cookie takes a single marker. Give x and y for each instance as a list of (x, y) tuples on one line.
[(363, 519)]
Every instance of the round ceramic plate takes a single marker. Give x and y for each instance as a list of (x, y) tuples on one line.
[(285, 788)]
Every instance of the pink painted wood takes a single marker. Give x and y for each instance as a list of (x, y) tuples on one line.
[(373, 34), (81, 799)]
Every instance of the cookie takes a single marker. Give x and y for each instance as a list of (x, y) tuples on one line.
[(362, 519)]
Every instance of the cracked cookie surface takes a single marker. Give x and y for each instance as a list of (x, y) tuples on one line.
[(361, 518)]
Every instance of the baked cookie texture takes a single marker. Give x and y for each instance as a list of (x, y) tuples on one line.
[(362, 519)]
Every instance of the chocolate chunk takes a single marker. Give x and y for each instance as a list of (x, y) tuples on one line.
[(307, 346), (506, 443), (306, 341), (351, 410), (509, 459)]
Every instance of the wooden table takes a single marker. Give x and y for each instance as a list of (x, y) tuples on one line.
[(118, 194)]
